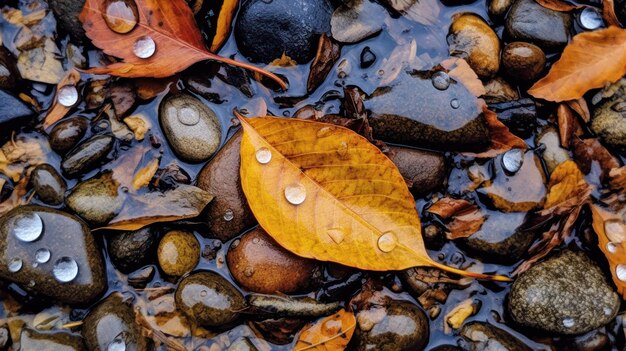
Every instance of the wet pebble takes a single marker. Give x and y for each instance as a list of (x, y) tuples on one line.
[(519, 115), (356, 20), (9, 75), (31, 339), (96, 200), (67, 133), (48, 184), (72, 271), (228, 214), (498, 8), (565, 294), (111, 323), (530, 22), (471, 38), (523, 62), (178, 252), (209, 299), (260, 265), (398, 326), (266, 29), (484, 337), (132, 250), (499, 90), (424, 171), (87, 155), (191, 128), (609, 123)]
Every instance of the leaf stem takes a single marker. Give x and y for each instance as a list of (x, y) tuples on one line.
[(249, 67), (481, 276)]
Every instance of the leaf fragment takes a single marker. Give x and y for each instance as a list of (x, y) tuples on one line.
[(332, 333), (58, 111), (144, 175), (611, 232)]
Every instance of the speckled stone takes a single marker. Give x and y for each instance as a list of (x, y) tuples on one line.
[(565, 290), (209, 299), (484, 337), (86, 155), (132, 250), (192, 129), (96, 200), (609, 122), (67, 133), (530, 22), (65, 236), (48, 184), (31, 339), (471, 38), (178, 253)]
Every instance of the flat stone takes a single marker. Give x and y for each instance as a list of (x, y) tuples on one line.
[(97, 200), (424, 171), (530, 22), (64, 236), (565, 294), (87, 155), (48, 184)]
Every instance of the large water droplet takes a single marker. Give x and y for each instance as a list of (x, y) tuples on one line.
[(441, 80), (614, 230), (455, 103), (620, 272), (263, 155), (67, 95), (229, 215), (28, 227), (42, 255), (387, 242), (118, 344), (336, 234), (65, 269), (590, 19), (512, 160), (611, 247), (568, 322), (15, 265), (121, 16), (295, 193), (188, 115), (144, 47)]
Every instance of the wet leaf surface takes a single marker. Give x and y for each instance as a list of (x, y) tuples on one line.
[(332, 333), (611, 232), (58, 110)]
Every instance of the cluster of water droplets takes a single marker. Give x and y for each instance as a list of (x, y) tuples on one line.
[(29, 228)]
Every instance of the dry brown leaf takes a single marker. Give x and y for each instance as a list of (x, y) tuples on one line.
[(466, 218), (58, 111), (139, 125), (16, 156), (608, 13), (172, 27), (283, 61), (144, 175), (581, 108), (156, 335), (611, 232), (568, 125), (353, 206), (559, 5), (565, 181), (328, 53), (332, 333), (502, 140), (460, 70), (591, 60), (147, 88), (224, 21), (17, 196), (588, 151)]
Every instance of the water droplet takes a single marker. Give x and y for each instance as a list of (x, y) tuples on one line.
[(235, 244), (324, 132), (256, 240), (263, 155), (118, 344), (28, 227), (67, 95), (512, 160), (342, 150), (337, 234), (590, 19), (568, 322), (15, 265), (620, 272), (65, 269), (608, 311), (455, 103), (144, 47), (611, 247), (387, 242), (203, 293), (229, 215), (121, 16), (31, 284), (441, 80), (248, 272), (188, 115), (42, 255), (295, 193), (614, 230)]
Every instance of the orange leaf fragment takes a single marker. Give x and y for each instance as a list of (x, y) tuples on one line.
[(144, 175), (58, 111), (170, 26), (460, 70), (590, 61), (502, 140), (466, 218), (332, 333), (558, 5), (325, 192), (611, 232)]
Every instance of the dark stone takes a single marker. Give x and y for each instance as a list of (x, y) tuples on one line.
[(67, 14), (404, 327), (13, 113), (65, 236), (523, 62), (530, 22), (113, 320), (609, 123), (565, 294), (265, 30), (50, 341), (412, 111), (424, 171), (486, 337), (48, 184), (520, 116), (87, 155), (96, 200), (498, 8), (221, 178), (132, 250), (67, 133), (9, 75), (209, 299), (367, 57), (140, 278)]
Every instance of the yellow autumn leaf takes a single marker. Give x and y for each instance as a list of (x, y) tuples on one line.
[(565, 181), (324, 192), (144, 175)]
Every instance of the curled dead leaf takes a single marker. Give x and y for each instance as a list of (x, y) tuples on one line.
[(501, 139), (58, 111), (464, 217), (332, 333), (327, 54)]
